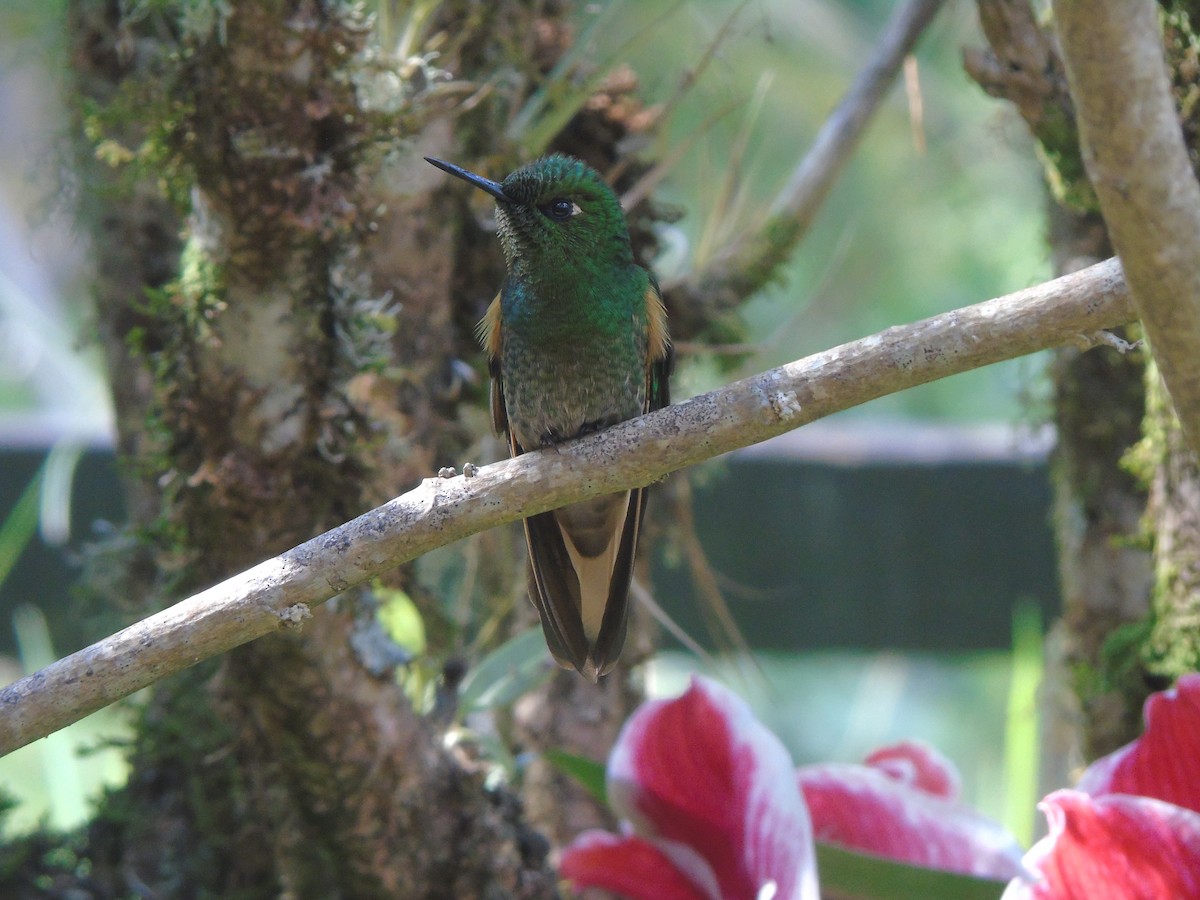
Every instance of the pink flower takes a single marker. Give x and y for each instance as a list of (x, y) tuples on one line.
[(710, 805), (1115, 847), (902, 804), (630, 866), (1165, 761), (1132, 829)]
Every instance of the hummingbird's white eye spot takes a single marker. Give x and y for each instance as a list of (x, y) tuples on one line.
[(560, 209)]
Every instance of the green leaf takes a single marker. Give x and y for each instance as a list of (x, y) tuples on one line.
[(1021, 742), (514, 668), (401, 619), (20, 524), (587, 772), (856, 876)]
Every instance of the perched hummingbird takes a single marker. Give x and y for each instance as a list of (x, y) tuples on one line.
[(576, 341)]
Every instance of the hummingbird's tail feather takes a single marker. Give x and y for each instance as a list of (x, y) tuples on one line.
[(551, 576), (581, 563)]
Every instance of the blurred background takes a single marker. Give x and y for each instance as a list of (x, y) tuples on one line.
[(892, 568)]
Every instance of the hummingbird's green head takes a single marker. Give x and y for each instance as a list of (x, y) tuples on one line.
[(555, 213)]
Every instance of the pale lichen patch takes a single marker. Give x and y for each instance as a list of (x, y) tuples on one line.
[(784, 404), (293, 616)]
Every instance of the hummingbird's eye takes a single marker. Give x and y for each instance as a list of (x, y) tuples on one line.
[(560, 209)]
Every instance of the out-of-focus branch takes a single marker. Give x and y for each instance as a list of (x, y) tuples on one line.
[(1022, 65), (278, 594), (1138, 163), (749, 263)]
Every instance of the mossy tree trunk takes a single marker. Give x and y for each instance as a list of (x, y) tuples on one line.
[(286, 294), (1129, 621)]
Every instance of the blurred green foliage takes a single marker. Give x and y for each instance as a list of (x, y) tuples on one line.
[(905, 234)]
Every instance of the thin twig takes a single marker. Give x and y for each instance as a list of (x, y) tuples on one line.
[(673, 628), (748, 263), (278, 594), (668, 157), (721, 624)]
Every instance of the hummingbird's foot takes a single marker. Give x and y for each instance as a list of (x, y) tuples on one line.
[(447, 472), (596, 425), (470, 470)]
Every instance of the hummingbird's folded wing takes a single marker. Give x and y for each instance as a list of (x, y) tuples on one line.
[(489, 334), (660, 357)]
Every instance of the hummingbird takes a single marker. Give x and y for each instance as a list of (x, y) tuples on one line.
[(576, 341)]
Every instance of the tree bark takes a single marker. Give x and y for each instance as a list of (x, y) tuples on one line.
[(263, 265), (1104, 573), (1131, 69), (1119, 638), (1136, 159), (1169, 465)]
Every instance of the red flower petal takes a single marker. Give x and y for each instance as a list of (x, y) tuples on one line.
[(918, 765), (1165, 761), (629, 866), (1115, 847), (861, 808), (705, 780)]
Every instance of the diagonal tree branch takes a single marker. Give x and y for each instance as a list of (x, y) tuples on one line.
[(749, 263), (1138, 163), (834, 143), (278, 594)]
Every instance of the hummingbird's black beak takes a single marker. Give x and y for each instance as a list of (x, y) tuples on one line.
[(492, 187)]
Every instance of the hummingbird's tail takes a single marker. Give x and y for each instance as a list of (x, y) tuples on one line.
[(581, 563)]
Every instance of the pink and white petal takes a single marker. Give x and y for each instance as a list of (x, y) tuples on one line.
[(630, 866), (862, 809), (918, 765), (1114, 847), (1162, 763), (702, 777)]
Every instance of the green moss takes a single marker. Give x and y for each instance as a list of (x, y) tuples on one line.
[(181, 760), (174, 318), (1059, 151), (1171, 641), (1122, 660), (1173, 647), (1144, 457), (199, 290), (1140, 459), (1182, 48), (1119, 667), (137, 133), (42, 863), (366, 321)]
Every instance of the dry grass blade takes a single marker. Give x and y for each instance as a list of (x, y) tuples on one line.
[(723, 218), (714, 610), (673, 628), (549, 109), (747, 264), (667, 163), (669, 156)]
